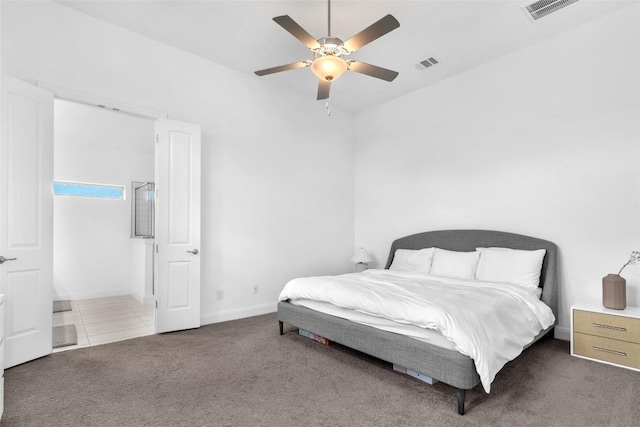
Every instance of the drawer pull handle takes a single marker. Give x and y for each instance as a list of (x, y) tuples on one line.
[(613, 328), (606, 350)]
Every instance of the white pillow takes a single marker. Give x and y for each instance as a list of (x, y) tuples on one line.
[(461, 265), (516, 266), (412, 260)]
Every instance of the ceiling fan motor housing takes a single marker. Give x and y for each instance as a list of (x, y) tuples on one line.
[(331, 46)]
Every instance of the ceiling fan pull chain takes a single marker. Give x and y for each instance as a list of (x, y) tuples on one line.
[(328, 106)]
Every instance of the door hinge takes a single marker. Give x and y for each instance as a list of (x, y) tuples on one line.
[(156, 248), (156, 304), (157, 138)]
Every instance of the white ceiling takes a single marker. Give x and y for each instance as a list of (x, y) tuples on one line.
[(242, 35)]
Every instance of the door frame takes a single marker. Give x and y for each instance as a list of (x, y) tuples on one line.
[(109, 104), (103, 102)]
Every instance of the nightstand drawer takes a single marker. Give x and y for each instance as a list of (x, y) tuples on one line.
[(607, 325), (614, 351)]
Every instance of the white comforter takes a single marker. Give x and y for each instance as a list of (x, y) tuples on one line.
[(489, 322)]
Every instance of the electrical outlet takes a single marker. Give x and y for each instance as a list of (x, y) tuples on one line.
[(220, 294), (256, 289)]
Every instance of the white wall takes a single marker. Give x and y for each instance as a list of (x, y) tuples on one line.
[(92, 248), (542, 142), (277, 183)]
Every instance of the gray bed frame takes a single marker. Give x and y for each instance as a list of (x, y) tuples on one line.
[(448, 366)]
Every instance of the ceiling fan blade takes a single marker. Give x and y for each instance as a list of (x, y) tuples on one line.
[(324, 86), (297, 31), (372, 70), (280, 68), (372, 32)]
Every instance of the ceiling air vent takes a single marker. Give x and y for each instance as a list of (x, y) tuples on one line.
[(427, 63), (542, 8)]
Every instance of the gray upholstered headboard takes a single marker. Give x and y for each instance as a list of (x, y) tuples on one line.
[(469, 240)]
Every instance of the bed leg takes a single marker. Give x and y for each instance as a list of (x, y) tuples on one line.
[(550, 334), (281, 325), (460, 393)]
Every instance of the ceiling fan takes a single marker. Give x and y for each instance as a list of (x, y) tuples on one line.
[(330, 53)]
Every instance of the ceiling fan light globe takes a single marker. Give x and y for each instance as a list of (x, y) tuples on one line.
[(329, 67)]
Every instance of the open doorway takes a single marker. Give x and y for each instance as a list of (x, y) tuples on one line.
[(27, 211), (102, 264)]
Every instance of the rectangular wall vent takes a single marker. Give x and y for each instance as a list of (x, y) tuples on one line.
[(542, 8), (429, 62)]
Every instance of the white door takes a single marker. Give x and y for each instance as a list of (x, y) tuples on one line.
[(26, 219), (177, 237)]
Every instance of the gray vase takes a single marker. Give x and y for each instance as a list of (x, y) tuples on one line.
[(614, 292)]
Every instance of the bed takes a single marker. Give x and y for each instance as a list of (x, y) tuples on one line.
[(436, 361)]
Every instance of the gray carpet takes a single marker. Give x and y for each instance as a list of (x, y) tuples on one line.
[(64, 336), (63, 305), (242, 373)]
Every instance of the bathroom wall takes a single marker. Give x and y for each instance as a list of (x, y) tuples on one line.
[(92, 247)]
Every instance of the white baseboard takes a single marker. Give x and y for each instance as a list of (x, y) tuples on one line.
[(239, 313), (81, 295), (138, 296), (562, 333), (143, 299)]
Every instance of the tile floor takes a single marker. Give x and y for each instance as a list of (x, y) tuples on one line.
[(105, 320)]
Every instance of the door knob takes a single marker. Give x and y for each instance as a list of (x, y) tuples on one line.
[(3, 259), (195, 252)]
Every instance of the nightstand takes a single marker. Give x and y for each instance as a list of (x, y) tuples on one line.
[(605, 335)]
